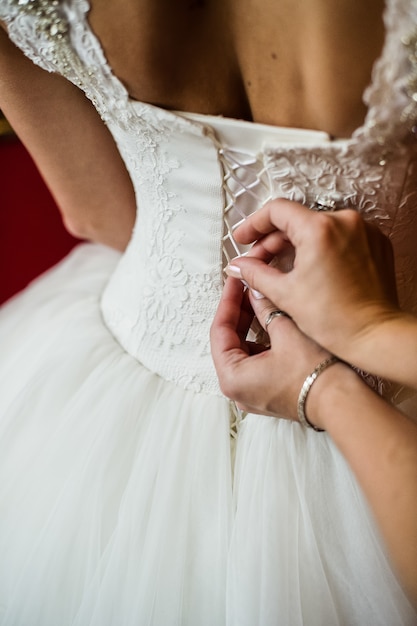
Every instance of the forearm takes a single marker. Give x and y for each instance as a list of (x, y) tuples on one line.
[(72, 148), (380, 445), (387, 349)]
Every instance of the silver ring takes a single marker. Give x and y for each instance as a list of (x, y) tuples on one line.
[(272, 314), (324, 204)]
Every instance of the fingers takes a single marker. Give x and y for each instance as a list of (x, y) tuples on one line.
[(282, 215), (271, 245), (274, 321), (262, 278), (236, 370), (224, 329)]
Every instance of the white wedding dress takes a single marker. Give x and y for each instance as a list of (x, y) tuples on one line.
[(130, 492)]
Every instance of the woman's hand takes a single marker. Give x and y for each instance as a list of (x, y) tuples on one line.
[(261, 380), (342, 283)]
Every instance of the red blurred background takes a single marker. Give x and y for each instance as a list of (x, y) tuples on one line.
[(32, 237)]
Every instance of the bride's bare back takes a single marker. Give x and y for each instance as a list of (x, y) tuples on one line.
[(300, 63), (303, 64)]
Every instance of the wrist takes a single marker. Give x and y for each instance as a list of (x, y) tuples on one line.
[(306, 388), (387, 347), (331, 390)]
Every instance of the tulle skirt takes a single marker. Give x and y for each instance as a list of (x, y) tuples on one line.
[(121, 503)]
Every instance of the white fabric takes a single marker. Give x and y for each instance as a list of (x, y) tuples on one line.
[(117, 502), (116, 492)]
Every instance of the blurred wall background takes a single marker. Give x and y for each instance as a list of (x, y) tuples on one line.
[(32, 237)]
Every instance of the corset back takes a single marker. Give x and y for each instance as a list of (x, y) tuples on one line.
[(196, 176)]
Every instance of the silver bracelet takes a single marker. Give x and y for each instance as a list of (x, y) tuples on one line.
[(305, 389)]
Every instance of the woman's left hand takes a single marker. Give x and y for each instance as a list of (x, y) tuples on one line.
[(260, 380)]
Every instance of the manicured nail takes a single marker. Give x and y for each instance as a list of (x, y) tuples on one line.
[(234, 271), (257, 294)]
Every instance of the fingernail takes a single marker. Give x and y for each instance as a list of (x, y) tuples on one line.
[(257, 294), (233, 270)]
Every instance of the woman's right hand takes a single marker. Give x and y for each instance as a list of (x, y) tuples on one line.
[(342, 284)]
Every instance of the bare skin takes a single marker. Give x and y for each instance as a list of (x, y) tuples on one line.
[(283, 63), (72, 148)]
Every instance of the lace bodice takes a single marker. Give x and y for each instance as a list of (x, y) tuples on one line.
[(195, 176)]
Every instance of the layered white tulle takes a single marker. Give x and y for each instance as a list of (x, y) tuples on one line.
[(115, 485), (116, 496)]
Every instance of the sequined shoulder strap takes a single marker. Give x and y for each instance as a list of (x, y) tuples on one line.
[(56, 36), (38, 27)]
